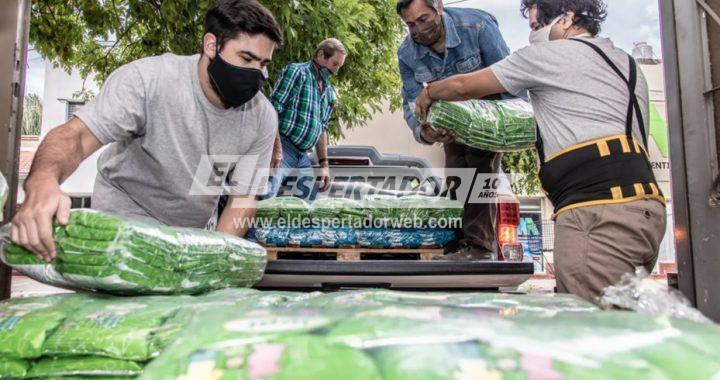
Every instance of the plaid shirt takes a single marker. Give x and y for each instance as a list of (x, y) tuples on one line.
[(303, 112)]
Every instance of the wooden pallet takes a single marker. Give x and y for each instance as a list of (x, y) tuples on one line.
[(353, 253)]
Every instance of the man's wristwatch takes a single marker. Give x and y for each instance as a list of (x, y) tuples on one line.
[(322, 161)]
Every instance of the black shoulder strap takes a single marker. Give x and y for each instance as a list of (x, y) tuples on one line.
[(634, 105), (540, 145)]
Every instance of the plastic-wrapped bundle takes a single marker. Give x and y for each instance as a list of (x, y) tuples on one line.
[(362, 339), (349, 212), (91, 335), (287, 209), (404, 238), (135, 328), (326, 237), (258, 344), (273, 236), (13, 368), (306, 237), (412, 211), (104, 252), (26, 323), (499, 126)]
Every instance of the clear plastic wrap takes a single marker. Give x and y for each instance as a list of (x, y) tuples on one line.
[(499, 126), (404, 238), (103, 252), (356, 336), (642, 294)]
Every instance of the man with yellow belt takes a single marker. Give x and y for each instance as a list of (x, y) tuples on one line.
[(592, 112)]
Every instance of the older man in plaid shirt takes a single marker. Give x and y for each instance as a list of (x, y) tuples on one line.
[(304, 100)]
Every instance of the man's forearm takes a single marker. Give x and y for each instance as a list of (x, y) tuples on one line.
[(59, 155), (237, 216), (475, 85), (321, 147)]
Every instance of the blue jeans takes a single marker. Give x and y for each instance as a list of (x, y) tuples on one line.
[(295, 162)]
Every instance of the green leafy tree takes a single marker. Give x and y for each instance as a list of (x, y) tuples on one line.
[(98, 36), (75, 34), (32, 115), (525, 165)]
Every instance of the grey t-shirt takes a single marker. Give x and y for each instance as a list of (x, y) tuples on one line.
[(161, 128), (576, 96)]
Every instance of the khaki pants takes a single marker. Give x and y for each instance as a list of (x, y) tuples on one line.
[(596, 245)]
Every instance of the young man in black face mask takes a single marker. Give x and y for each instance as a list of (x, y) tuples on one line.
[(442, 43), (163, 118), (305, 100)]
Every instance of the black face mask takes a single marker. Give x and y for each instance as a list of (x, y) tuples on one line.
[(235, 85), (428, 33)]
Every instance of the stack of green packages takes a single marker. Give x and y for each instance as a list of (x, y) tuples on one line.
[(498, 126), (349, 212), (25, 324), (282, 210), (103, 252), (28, 325), (391, 336), (392, 211), (97, 336)]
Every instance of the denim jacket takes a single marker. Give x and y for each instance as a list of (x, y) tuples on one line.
[(473, 42)]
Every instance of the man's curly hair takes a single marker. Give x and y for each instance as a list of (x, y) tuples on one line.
[(589, 14)]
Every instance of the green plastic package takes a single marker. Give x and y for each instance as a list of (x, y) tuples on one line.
[(412, 211), (277, 341), (498, 126), (349, 212), (26, 323), (126, 328), (90, 367), (572, 345), (466, 360), (293, 358), (284, 210), (103, 252), (13, 368)]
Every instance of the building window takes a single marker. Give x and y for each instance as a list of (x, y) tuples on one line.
[(72, 107)]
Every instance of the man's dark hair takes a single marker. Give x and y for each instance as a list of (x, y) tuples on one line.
[(226, 19), (402, 4), (589, 14)]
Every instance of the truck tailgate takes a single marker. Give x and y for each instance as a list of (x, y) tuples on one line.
[(407, 275)]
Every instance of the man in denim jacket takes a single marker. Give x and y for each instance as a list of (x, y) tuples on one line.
[(442, 43)]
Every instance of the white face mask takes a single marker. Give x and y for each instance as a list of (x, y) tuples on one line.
[(543, 34)]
